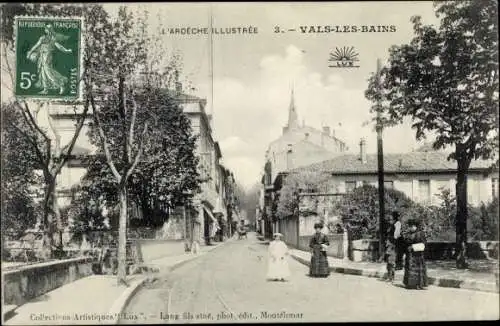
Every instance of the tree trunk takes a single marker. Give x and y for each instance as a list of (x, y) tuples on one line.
[(462, 213), (122, 236), (58, 226), (49, 220)]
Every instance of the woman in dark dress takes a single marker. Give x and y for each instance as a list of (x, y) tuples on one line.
[(415, 276), (319, 262)]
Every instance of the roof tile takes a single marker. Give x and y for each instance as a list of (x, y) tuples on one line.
[(403, 162)]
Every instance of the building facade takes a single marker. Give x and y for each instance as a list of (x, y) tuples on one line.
[(298, 146), (421, 175), (200, 219)]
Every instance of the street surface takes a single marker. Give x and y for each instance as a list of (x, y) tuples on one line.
[(228, 285)]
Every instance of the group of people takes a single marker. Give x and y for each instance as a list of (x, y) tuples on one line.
[(410, 244), (278, 269)]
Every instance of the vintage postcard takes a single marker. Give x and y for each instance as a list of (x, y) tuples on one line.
[(278, 162)]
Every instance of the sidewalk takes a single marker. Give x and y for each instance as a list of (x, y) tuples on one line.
[(95, 299), (437, 275)]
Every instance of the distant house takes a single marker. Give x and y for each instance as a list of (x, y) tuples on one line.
[(420, 175)]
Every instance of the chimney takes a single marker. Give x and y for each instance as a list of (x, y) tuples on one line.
[(333, 132), (362, 150), (326, 130), (285, 129), (178, 88), (289, 157)]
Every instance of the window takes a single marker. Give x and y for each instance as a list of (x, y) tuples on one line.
[(472, 191), (389, 184), (494, 187), (424, 191), (350, 186)]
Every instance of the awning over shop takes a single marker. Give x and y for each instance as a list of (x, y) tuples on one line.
[(210, 214)]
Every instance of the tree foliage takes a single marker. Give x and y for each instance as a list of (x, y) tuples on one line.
[(19, 210), (486, 225), (446, 81), (138, 126), (166, 171), (49, 154), (295, 183), (360, 209)]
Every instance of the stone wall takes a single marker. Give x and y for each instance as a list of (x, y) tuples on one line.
[(336, 248), (28, 282), (367, 250), (288, 227), (154, 249)]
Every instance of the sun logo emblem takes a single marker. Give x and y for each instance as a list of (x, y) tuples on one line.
[(344, 57)]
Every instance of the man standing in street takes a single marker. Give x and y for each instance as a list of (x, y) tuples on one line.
[(398, 240)]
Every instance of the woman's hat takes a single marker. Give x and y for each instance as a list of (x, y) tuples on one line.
[(318, 225), (277, 234)]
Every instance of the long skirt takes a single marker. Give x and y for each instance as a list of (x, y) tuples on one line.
[(415, 270), (390, 253), (319, 264), (278, 269)]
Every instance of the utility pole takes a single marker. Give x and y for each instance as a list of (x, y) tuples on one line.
[(297, 222), (380, 160)]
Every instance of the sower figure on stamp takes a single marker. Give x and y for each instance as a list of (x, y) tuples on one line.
[(42, 54), (318, 244)]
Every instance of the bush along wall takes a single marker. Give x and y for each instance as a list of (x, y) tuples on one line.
[(359, 210)]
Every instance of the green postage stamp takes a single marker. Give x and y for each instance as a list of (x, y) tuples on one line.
[(49, 57)]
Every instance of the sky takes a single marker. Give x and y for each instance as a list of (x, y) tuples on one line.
[(253, 74)]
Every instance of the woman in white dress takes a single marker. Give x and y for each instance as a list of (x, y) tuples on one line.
[(278, 269)]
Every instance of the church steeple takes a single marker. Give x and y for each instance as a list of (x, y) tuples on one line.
[(293, 120)]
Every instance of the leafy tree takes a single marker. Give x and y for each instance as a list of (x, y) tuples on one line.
[(19, 210), (50, 155), (295, 183), (488, 225), (359, 208), (139, 127), (446, 81), (166, 174)]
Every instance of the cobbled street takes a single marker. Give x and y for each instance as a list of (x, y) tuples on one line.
[(228, 285)]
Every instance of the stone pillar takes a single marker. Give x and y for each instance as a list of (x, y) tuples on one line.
[(345, 245), (198, 222)]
